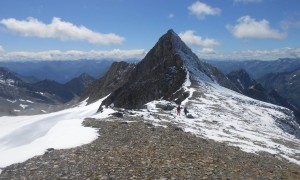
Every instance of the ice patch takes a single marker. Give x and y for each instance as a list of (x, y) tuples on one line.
[(29, 101), (24, 106), (238, 80), (8, 82), (11, 101), (41, 93), (104, 114)]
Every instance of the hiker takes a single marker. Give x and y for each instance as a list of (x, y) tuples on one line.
[(185, 111), (178, 110)]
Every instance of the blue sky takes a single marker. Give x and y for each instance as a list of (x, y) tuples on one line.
[(95, 29)]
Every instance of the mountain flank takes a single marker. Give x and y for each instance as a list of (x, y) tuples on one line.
[(116, 77), (251, 88), (160, 75), (287, 84)]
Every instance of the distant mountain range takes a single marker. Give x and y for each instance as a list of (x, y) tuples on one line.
[(279, 78), (17, 96), (286, 84), (271, 94), (258, 68), (59, 71)]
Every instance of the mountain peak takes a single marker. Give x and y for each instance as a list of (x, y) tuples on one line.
[(162, 73), (172, 41), (170, 31)]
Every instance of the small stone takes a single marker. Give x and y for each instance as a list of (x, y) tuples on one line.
[(33, 169), (178, 129), (50, 149), (124, 123), (117, 114)]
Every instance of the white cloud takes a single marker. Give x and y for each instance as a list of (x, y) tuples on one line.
[(208, 51), (248, 27), (59, 29), (73, 55), (191, 39), (201, 10), (272, 54), (1, 49), (171, 15), (247, 1)]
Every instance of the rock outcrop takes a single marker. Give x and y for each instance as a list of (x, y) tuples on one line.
[(116, 77)]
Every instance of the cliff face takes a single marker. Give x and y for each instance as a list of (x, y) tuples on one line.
[(116, 77), (158, 75)]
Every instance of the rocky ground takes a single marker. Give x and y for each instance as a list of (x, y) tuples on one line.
[(139, 150)]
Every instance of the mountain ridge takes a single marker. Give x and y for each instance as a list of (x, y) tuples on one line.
[(18, 96), (162, 72), (255, 90), (287, 84), (258, 68)]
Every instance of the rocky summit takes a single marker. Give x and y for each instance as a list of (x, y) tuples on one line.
[(161, 74)]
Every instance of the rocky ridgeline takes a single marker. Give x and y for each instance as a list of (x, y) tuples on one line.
[(251, 88), (116, 77), (160, 74), (138, 150)]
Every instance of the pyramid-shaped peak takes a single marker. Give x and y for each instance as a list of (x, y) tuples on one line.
[(162, 73), (172, 42), (171, 35), (171, 32)]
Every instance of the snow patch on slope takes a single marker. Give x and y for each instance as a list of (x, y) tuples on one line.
[(23, 137), (224, 115), (9, 82), (24, 106), (11, 101)]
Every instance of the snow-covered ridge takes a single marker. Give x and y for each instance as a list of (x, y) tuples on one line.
[(22, 137), (252, 125), (227, 116), (190, 60)]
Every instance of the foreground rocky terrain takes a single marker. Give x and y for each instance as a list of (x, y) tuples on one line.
[(128, 148)]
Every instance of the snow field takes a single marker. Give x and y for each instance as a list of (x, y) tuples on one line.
[(23, 137), (227, 116)]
